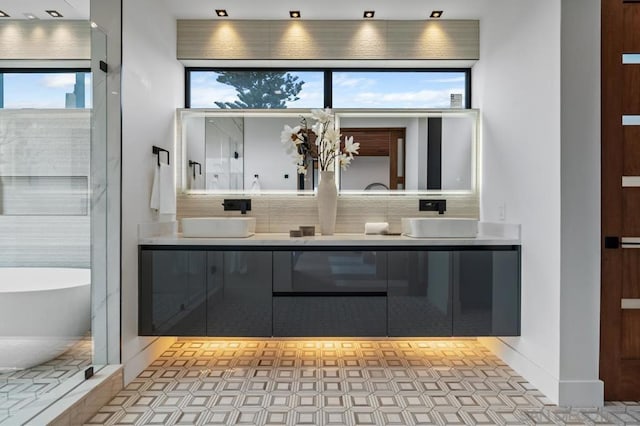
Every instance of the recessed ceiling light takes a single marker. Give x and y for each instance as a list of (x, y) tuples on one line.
[(369, 13), (54, 13), (436, 14), (3, 14), (221, 13), (294, 13), (30, 15)]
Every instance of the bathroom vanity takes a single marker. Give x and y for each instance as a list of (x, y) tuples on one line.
[(343, 285)]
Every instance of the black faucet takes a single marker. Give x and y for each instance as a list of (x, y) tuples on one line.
[(243, 204), (439, 206)]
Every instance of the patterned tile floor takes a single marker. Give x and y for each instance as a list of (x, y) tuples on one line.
[(378, 382), (20, 388)]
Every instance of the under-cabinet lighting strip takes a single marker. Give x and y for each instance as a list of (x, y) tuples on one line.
[(630, 303), (631, 58), (631, 120), (630, 181)]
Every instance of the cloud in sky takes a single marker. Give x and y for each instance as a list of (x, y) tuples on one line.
[(418, 99), (205, 96), (342, 80), (59, 81), (459, 79)]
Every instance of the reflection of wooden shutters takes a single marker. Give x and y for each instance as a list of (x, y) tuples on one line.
[(374, 142), (620, 292), (382, 142)]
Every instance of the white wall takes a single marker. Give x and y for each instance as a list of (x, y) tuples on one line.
[(195, 135), (580, 246), (224, 137), (266, 156), (457, 142), (541, 161), (152, 88), (516, 85), (364, 171)]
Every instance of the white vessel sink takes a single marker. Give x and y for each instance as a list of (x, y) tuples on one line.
[(439, 227), (219, 227)]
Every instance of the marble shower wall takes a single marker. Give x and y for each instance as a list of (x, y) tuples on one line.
[(44, 187), (280, 213)]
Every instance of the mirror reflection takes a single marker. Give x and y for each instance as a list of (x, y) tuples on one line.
[(411, 150)]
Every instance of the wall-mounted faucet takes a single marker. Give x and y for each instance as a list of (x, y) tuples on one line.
[(439, 206), (244, 205)]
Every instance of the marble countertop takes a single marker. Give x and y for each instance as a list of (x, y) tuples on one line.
[(283, 240)]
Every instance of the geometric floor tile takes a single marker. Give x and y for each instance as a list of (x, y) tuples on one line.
[(19, 388), (339, 382)]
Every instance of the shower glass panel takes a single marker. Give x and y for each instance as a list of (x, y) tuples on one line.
[(49, 331)]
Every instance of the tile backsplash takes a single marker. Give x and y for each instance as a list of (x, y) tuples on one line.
[(281, 213)]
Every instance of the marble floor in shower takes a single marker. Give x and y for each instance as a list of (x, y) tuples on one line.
[(341, 382), (21, 390)]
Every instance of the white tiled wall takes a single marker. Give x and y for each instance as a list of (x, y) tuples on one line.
[(54, 146)]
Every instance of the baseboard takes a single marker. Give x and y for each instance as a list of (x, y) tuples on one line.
[(138, 363), (573, 393), (532, 372), (582, 393)]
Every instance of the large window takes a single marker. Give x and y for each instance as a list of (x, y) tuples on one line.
[(45, 89), (339, 88)]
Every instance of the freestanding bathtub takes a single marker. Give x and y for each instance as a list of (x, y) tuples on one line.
[(42, 312)]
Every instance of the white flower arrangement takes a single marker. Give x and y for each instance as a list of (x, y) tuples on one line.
[(327, 148)]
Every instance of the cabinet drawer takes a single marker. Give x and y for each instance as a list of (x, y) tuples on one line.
[(337, 316), (330, 272)]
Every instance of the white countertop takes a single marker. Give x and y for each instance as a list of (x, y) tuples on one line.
[(273, 239)]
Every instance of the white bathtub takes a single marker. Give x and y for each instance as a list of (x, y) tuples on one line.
[(42, 312)]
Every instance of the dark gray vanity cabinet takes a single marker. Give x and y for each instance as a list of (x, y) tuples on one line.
[(399, 291), (329, 293), (239, 293), (486, 293), (420, 293), (172, 293)]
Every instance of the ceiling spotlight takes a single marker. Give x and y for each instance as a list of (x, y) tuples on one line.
[(54, 13), (222, 13), (369, 13), (436, 14), (30, 15), (3, 14), (294, 13), (93, 25)]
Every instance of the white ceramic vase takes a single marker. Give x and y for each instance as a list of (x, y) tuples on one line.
[(327, 202)]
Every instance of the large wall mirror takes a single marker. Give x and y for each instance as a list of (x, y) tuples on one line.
[(401, 151)]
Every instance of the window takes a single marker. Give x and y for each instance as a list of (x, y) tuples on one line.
[(339, 88), (45, 89), (399, 89), (255, 89)]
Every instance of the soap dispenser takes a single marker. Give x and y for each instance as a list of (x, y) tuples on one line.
[(255, 185)]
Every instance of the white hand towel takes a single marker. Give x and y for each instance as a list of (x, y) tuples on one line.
[(154, 203), (376, 228), (167, 190), (163, 191)]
